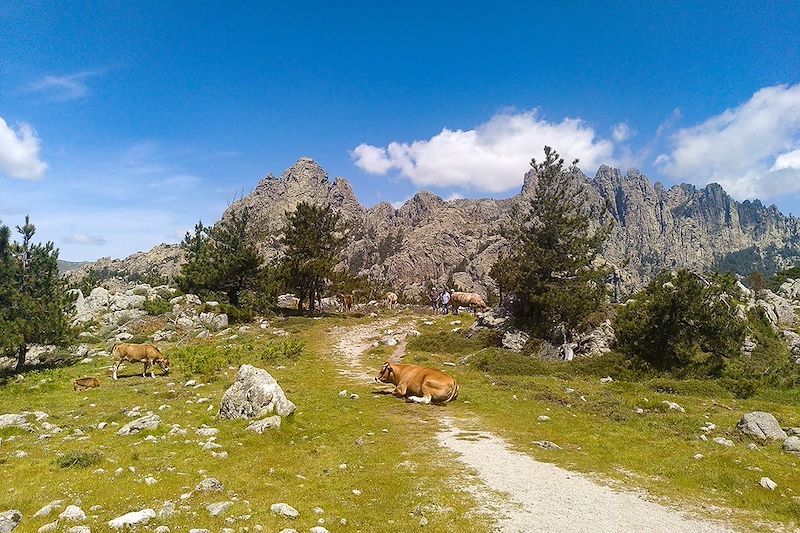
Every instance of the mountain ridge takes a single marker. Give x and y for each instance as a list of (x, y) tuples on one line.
[(427, 239)]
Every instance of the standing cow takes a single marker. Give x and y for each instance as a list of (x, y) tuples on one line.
[(391, 300), (467, 299), (147, 354)]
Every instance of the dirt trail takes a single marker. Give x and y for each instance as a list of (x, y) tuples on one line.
[(536, 496)]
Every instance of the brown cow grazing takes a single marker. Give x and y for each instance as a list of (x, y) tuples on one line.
[(391, 300), (419, 384), (346, 299), (85, 383), (472, 300), (139, 353)]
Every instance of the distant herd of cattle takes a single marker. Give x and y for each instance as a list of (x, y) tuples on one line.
[(458, 299)]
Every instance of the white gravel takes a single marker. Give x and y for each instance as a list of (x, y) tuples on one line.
[(546, 498)]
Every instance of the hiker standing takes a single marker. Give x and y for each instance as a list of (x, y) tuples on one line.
[(445, 301), (434, 300)]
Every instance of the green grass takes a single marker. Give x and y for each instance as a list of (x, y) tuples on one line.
[(602, 434), (298, 464)]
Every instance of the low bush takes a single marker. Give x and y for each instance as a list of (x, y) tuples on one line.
[(689, 387), (78, 459), (208, 361), (157, 306), (450, 342)]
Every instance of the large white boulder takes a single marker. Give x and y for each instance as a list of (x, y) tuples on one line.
[(761, 425), (132, 519), (255, 394), (9, 520), (148, 421)]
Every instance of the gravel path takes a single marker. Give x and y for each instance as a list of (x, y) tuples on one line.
[(544, 497), (536, 496)]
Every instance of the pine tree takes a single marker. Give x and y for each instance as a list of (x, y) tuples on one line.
[(312, 239), (549, 266), (222, 258), (34, 301)]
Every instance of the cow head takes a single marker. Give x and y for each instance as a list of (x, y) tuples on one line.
[(163, 362), (385, 375)]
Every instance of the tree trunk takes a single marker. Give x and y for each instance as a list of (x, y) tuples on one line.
[(21, 352), (312, 300), (233, 297)]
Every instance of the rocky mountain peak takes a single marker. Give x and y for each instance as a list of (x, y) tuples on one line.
[(305, 169)]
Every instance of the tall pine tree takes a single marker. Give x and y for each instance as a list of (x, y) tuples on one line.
[(312, 239), (553, 245), (34, 301), (222, 258)]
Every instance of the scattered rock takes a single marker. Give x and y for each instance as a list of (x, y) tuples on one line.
[(761, 425), (167, 510), (607, 379), (514, 339), (132, 519), (767, 483), (342, 393), (9, 520), (792, 445), (543, 418), (674, 406), (216, 509), (161, 529), (722, 441), (284, 509), (190, 383), (14, 420), (698, 456), (209, 484), (52, 526), (79, 529), (254, 394), (318, 529), (264, 424), (73, 513), (752, 447), (205, 431), (150, 480), (49, 508), (148, 421)]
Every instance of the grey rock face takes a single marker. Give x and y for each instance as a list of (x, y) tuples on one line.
[(792, 445), (14, 420), (264, 424), (761, 425), (216, 509), (284, 509), (148, 421), (132, 519), (254, 394), (9, 520), (428, 238), (515, 339)]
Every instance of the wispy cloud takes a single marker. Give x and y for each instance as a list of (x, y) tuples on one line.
[(85, 240), (64, 87), (19, 152), (490, 157), (753, 150)]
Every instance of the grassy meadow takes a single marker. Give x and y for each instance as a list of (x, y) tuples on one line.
[(376, 445)]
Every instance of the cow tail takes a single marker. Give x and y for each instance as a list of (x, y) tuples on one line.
[(453, 392)]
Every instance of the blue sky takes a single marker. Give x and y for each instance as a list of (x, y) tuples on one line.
[(123, 123)]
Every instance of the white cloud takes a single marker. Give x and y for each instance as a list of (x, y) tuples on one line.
[(621, 132), (492, 157), (19, 152), (63, 88), (87, 240), (454, 196), (751, 150)]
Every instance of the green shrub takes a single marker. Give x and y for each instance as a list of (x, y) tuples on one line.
[(510, 363), (689, 387), (208, 361), (741, 388), (448, 342), (78, 459), (157, 306), (683, 324), (236, 315)]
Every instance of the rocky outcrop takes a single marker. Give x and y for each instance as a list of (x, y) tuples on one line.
[(761, 425), (428, 239), (255, 394)]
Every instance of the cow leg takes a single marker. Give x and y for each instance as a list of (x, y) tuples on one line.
[(144, 372), (420, 399), (116, 366), (153, 371), (400, 390)]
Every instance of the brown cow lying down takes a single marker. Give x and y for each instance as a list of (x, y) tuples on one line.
[(467, 299), (139, 353), (418, 383), (85, 383)]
